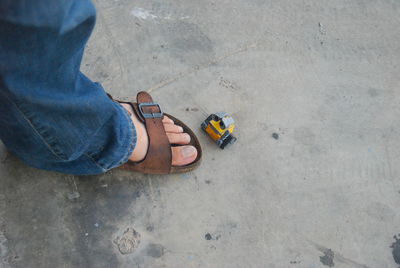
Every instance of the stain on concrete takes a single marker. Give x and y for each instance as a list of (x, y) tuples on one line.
[(73, 195), (321, 28), (396, 249), (40, 193), (208, 236), (105, 206), (155, 250), (194, 109), (158, 15), (227, 84), (263, 125), (328, 257), (305, 136), (187, 42), (380, 211), (128, 242), (186, 176), (275, 136), (103, 74), (373, 92), (143, 14)]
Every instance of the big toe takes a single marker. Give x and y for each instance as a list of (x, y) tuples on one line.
[(183, 155)]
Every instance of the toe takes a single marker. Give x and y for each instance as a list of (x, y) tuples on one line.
[(173, 128), (167, 120), (183, 155), (178, 138)]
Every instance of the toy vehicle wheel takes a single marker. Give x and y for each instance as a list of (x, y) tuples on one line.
[(228, 140), (220, 142), (203, 126)]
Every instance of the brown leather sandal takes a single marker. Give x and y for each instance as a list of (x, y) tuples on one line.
[(158, 159)]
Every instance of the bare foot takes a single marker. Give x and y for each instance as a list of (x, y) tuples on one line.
[(181, 155)]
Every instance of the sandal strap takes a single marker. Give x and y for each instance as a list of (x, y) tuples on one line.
[(159, 156)]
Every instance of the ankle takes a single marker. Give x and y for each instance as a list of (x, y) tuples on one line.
[(142, 142)]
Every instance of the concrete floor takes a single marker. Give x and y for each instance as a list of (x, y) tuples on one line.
[(324, 191)]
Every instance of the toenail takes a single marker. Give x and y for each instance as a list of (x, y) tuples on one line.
[(187, 137), (188, 151)]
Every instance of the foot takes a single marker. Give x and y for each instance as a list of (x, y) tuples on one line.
[(181, 155)]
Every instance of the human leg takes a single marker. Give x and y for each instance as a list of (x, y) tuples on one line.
[(51, 115)]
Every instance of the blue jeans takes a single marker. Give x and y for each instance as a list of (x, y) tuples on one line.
[(51, 115)]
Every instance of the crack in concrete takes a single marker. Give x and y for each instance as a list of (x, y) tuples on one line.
[(203, 66), (337, 256), (115, 48)]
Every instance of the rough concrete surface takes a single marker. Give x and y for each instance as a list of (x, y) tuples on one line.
[(313, 181)]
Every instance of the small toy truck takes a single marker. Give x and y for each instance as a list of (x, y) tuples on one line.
[(219, 127)]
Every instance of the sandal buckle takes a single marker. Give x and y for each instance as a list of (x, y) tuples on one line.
[(150, 115)]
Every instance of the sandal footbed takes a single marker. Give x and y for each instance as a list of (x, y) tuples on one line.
[(176, 169)]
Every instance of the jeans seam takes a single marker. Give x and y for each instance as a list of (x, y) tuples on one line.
[(34, 129), (95, 162)]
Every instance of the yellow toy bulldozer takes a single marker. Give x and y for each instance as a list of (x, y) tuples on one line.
[(219, 127)]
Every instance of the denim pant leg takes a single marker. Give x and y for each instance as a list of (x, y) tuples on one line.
[(51, 115)]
